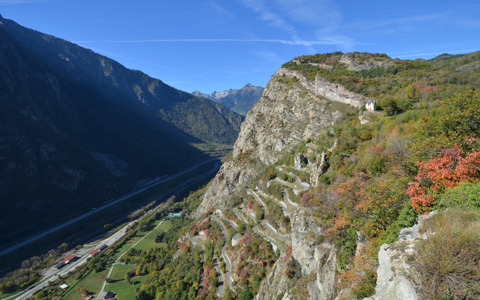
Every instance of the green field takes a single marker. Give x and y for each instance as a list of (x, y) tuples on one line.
[(120, 271), (123, 248), (92, 283), (149, 241), (126, 291)]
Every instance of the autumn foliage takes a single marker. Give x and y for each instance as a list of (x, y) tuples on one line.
[(445, 171)]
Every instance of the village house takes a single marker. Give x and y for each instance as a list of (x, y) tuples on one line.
[(371, 105)]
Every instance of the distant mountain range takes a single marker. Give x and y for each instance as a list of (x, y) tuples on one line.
[(238, 100), (78, 128)]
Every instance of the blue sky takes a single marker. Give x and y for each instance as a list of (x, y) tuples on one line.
[(212, 45)]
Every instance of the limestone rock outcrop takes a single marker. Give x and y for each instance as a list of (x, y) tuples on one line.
[(287, 114), (356, 65), (323, 88), (396, 279), (228, 182), (316, 258), (291, 110)]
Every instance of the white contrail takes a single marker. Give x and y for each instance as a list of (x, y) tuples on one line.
[(284, 42)]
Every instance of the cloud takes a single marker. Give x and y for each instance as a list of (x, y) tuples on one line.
[(15, 2), (313, 12), (112, 55), (295, 17), (269, 16), (431, 18), (220, 9), (407, 20), (270, 56)]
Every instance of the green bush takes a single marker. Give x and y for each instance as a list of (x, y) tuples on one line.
[(241, 228), (466, 195), (368, 288), (245, 295), (390, 106)]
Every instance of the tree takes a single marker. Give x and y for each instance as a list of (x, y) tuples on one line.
[(462, 115), (245, 295), (160, 237), (390, 106), (456, 121), (260, 215), (445, 171), (242, 227)]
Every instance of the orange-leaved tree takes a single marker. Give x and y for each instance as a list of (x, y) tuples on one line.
[(447, 170)]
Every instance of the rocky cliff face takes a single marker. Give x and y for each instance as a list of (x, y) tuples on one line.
[(323, 88), (396, 279), (291, 110), (315, 260), (300, 197), (354, 64), (288, 113), (231, 180)]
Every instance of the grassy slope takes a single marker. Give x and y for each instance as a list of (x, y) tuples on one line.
[(92, 283), (149, 241), (125, 291)]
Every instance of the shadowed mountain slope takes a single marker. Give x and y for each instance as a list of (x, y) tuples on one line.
[(77, 129)]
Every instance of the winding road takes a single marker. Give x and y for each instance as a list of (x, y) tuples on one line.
[(265, 221), (257, 198), (286, 210), (235, 211), (272, 241), (195, 242), (198, 244), (220, 214), (304, 186), (252, 216), (287, 199), (220, 290), (273, 231), (227, 260)]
